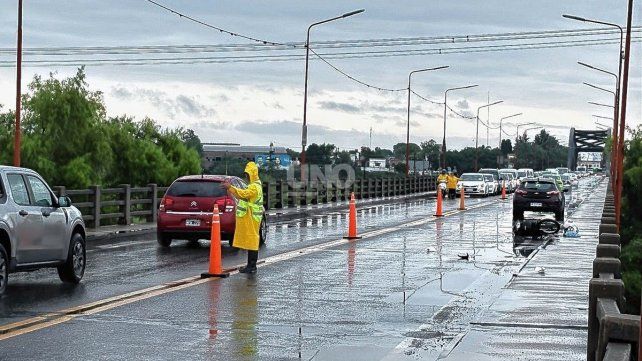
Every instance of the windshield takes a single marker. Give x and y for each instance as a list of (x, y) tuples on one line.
[(203, 189), (488, 177), (538, 186), (521, 173), (472, 177), (507, 175)]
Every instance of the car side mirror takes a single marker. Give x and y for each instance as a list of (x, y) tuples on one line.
[(64, 202)]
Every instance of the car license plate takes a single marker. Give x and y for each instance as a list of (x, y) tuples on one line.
[(193, 223), (536, 204)]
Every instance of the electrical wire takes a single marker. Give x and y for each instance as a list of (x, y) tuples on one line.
[(294, 57), (331, 44), (353, 78), (181, 15)]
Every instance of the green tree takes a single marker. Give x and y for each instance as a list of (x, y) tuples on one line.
[(319, 153), (506, 147)]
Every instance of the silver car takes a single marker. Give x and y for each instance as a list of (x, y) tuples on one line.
[(38, 229)]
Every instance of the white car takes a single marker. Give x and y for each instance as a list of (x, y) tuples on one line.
[(511, 182), (475, 184), (493, 182)]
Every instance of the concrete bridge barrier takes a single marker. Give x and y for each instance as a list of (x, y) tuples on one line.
[(612, 335)]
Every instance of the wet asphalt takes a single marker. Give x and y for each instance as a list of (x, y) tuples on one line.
[(359, 300)]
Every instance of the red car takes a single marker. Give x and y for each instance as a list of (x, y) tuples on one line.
[(185, 211)]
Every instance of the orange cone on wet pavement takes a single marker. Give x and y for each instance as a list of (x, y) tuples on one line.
[(352, 221), (462, 203), (216, 264), (503, 189), (439, 212)]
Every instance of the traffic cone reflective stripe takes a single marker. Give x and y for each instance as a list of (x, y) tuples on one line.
[(462, 204), (439, 212), (216, 267), (352, 221), (503, 189)]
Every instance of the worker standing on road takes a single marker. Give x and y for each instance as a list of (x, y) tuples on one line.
[(249, 213), (451, 183), (442, 177)]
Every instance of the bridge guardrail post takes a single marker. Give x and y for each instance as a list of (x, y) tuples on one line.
[(97, 197), (153, 192), (127, 205), (600, 288)]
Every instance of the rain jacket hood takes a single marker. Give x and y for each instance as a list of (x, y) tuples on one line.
[(252, 171)]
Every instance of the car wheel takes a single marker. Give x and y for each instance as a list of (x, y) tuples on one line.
[(518, 214), (4, 269), (559, 216), (163, 239), (73, 269)]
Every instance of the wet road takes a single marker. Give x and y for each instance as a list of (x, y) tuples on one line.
[(317, 296)]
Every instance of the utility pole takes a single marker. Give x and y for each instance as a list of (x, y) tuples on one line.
[(16, 139), (622, 127)]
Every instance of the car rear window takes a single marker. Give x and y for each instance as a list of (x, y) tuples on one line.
[(538, 186), (206, 189)]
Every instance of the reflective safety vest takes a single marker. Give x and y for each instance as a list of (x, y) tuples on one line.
[(256, 206)]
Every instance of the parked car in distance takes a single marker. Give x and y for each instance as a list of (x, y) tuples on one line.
[(512, 171), (538, 195), (551, 170), (511, 182), (493, 183), (525, 173), (185, 212), (566, 179), (562, 170), (474, 184), (38, 229), (556, 177), (496, 176)]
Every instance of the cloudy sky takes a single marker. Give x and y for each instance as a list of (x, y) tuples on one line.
[(258, 102)]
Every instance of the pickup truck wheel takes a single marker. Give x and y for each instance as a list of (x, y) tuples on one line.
[(4, 269), (73, 269)]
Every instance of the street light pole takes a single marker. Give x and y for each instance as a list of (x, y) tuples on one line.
[(16, 139), (603, 105), (616, 102), (614, 155), (622, 118), (477, 132), (501, 121), (443, 143), (408, 122), (304, 129)]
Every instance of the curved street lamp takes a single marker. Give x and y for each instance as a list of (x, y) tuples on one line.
[(304, 129), (408, 123), (477, 132), (443, 143)]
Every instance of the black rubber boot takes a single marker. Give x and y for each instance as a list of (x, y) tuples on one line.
[(252, 257)]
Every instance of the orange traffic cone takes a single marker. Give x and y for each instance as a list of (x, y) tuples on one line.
[(440, 212), (503, 190), (352, 222), (462, 205), (216, 268)]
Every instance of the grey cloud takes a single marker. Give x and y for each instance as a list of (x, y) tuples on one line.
[(463, 104), (344, 107), (170, 105)]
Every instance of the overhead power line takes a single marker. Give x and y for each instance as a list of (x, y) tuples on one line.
[(296, 57), (330, 44), (184, 16), (353, 78)]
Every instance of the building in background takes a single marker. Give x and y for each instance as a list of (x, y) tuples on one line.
[(220, 152)]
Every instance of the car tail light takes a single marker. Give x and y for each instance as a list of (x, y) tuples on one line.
[(225, 204), (520, 192), (553, 193), (166, 203)]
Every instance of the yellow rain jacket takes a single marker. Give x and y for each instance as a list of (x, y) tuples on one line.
[(451, 182), (249, 211), (442, 178)]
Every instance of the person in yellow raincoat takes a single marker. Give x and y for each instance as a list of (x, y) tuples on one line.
[(249, 213), (451, 184)]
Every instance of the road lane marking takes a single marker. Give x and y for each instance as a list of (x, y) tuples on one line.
[(51, 319)]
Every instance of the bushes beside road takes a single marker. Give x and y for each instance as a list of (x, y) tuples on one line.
[(68, 138)]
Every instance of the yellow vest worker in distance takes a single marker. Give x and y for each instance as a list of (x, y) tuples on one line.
[(443, 177), (249, 213), (451, 184)]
